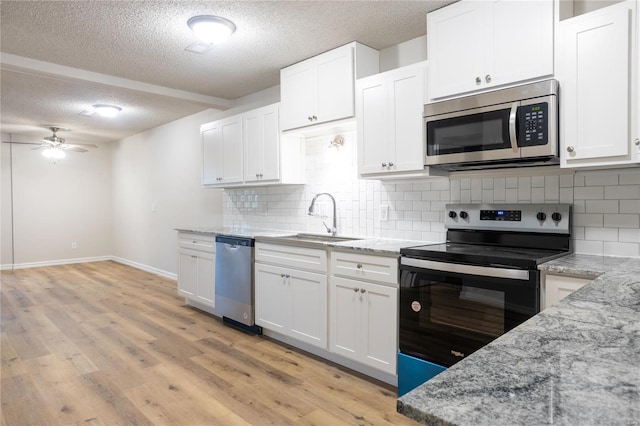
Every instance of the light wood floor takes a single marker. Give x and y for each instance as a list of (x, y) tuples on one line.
[(105, 344)]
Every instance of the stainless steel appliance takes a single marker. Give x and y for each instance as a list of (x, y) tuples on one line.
[(234, 296), (458, 296), (517, 126)]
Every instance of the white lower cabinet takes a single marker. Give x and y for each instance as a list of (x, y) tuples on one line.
[(291, 301), (363, 306), (196, 268), (364, 322), (557, 287)]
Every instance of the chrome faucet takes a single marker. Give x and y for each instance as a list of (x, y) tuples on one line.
[(334, 230)]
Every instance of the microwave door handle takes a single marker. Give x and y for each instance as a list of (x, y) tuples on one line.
[(512, 127)]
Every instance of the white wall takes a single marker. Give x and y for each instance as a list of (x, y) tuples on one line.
[(156, 188), (407, 53), (54, 205)]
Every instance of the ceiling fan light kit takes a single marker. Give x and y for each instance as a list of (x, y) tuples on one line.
[(54, 153), (211, 29)]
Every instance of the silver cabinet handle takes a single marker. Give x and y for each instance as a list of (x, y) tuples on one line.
[(384, 164), (359, 266), (287, 276), (478, 80), (281, 275), (570, 149), (356, 289), (362, 290), (309, 118), (637, 142), (390, 164), (314, 117), (194, 241), (487, 78)]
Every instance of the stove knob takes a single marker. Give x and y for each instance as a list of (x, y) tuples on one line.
[(464, 215), (452, 214), (557, 217), (541, 216)]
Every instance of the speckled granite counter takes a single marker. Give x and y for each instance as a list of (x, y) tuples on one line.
[(234, 231), (577, 363), (378, 245)]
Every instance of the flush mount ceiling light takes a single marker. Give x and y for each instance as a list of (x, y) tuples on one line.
[(103, 110), (211, 29)]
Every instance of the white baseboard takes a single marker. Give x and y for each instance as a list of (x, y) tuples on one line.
[(145, 268), (131, 263), (56, 262)]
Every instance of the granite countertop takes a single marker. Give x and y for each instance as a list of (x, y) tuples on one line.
[(378, 245), (576, 363), (234, 231)]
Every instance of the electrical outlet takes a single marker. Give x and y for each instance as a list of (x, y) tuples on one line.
[(384, 213), (74, 245)]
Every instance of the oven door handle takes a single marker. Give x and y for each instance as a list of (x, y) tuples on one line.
[(485, 271)]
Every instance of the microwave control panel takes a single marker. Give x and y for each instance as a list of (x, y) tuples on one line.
[(533, 124)]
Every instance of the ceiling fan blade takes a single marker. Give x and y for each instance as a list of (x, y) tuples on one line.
[(87, 145), (22, 143), (41, 146), (78, 149)]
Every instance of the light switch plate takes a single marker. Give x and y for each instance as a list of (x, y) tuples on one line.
[(384, 213)]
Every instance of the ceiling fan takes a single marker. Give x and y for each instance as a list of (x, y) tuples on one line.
[(55, 145)]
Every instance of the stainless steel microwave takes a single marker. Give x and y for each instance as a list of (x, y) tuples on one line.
[(512, 127)]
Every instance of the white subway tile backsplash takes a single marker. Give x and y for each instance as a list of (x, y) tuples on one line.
[(622, 220), (601, 206), (621, 249), (601, 234), (588, 193), (622, 192), (606, 204)]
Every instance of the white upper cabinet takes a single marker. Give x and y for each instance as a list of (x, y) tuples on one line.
[(321, 89), (598, 71), (262, 144), (222, 152), (389, 121), (478, 45), (249, 149)]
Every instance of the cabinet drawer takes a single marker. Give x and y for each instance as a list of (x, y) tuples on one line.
[(196, 242), (292, 256), (380, 269)]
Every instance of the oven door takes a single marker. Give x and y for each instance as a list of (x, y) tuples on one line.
[(449, 310), (476, 135)]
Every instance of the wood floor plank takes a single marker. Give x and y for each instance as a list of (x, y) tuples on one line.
[(105, 344)]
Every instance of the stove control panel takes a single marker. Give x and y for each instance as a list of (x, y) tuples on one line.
[(503, 217)]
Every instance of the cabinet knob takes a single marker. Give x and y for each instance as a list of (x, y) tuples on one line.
[(384, 164), (570, 149), (390, 164), (359, 266), (355, 290), (314, 117), (281, 275), (287, 276), (310, 118), (362, 290), (487, 78), (637, 142), (478, 80)]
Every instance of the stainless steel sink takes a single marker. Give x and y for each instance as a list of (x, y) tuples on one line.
[(312, 239)]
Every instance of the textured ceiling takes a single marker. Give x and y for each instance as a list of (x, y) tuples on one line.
[(144, 41)]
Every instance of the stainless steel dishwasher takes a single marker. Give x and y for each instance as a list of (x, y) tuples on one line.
[(234, 282)]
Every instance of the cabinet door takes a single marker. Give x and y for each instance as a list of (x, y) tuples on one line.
[(374, 151), (261, 133), (272, 298), (308, 319), (187, 273), (380, 327), (231, 134), (596, 93), (298, 95), (456, 46), (406, 99), (206, 278), (211, 155), (557, 287), (521, 42), (334, 85), (271, 142), (345, 317)]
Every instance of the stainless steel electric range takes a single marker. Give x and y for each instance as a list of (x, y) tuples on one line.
[(458, 296)]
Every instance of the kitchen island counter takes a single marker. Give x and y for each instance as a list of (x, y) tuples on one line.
[(576, 363)]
